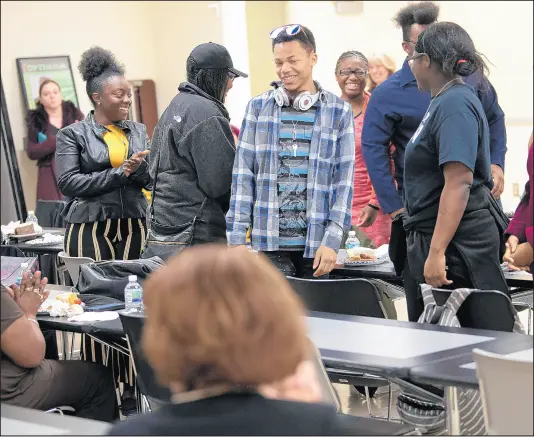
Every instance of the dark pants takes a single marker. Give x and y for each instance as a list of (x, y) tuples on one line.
[(86, 387), (457, 273), (293, 263)]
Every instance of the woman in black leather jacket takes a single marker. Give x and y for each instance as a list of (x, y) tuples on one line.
[(101, 166)]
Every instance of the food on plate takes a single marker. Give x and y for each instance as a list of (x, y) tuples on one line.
[(24, 229), (361, 257), (69, 297), (75, 310)]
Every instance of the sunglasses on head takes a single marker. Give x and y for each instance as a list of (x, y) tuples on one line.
[(289, 29)]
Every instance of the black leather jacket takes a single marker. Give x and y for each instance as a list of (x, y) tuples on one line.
[(84, 173)]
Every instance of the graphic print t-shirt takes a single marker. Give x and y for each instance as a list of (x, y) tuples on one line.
[(293, 156)]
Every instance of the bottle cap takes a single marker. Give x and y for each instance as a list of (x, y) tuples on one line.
[(132, 278), (30, 213), (352, 233)]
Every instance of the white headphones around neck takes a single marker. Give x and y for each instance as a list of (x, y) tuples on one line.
[(304, 101)]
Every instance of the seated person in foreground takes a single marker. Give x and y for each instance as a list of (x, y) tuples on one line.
[(28, 380), (226, 333)]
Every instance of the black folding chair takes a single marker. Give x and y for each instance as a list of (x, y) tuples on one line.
[(354, 297), (152, 393)]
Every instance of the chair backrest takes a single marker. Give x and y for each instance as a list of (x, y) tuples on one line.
[(48, 213), (146, 378), (353, 297), (482, 309), (506, 390), (73, 264)]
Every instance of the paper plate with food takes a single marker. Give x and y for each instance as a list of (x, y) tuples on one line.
[(26, 231), (64, 304), (362, 256)]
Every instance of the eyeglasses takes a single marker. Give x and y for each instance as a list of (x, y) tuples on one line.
[(411, 59), (231, 75), (347, 72), (411, 42)]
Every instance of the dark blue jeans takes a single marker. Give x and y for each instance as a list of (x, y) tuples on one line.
[(293, 263)]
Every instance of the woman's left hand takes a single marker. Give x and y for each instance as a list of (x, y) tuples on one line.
[(435, 271), (131, 165), (521, 258)]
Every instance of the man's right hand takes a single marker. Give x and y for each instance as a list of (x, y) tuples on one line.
[(394, 214)]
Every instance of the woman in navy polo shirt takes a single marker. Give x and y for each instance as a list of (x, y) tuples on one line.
[(454, 226)]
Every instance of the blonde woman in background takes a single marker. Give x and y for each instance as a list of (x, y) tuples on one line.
[(380, 68)]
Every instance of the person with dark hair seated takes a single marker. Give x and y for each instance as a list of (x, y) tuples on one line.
[(52, 113), (393, 115), (226, 333), (454, 226), (520, 233), (28, 379), (193, 152)]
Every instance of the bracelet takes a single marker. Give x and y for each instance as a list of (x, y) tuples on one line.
[(31, 319), (374, 207)]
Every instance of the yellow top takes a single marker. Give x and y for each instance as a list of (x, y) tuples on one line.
[(117, 143)]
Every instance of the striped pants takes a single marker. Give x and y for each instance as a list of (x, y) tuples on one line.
[(112, 239), (106, 240)]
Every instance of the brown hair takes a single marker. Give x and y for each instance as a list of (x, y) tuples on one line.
[(222, 315), (46, 81)]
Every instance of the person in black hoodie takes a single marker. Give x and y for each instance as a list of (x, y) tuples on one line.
[(193, 154)]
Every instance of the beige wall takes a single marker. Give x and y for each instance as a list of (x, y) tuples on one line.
[(42, 28), (153, 40), (177, 28), (262, 17), (374, 31)]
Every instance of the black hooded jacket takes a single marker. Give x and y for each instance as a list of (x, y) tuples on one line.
[(192, 156)]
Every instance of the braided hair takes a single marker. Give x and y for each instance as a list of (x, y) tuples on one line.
[(352, 54), (96, 67), (213, 81)]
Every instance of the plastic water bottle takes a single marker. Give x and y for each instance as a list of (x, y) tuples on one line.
[(23, 269), (32, 219), (352, 242), (133, 295)]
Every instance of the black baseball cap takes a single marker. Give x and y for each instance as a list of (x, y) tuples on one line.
[(211, 56)]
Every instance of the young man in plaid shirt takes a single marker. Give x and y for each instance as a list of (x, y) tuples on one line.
[(293, 170)]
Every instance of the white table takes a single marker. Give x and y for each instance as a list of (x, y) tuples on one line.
[(392, 349), (389, 347), (460, 371)]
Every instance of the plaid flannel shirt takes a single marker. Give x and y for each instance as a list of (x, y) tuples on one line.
[(254, 199)]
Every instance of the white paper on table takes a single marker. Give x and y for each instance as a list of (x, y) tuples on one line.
[(382, 251), (10, 228), (101, 316)]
